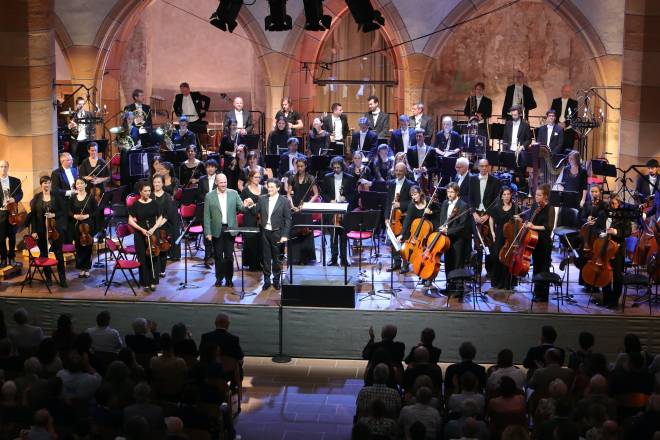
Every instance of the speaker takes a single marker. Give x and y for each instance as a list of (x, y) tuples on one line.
[(310, 294)]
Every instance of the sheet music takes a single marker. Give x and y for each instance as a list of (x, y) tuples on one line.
[(396, 244), (325, 207)]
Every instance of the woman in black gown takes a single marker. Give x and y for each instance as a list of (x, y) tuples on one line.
[(172, 226), (234, 167), (318, 139), (145, 217), (252, 253), (574, 177), (82, 209), (170, 182), (301, 187), (502, 213), (94, 170), (382, 164), (542, 221), (192, 169), (230, 140), (278, 138)]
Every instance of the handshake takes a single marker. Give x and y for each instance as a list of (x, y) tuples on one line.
[(248, 203)]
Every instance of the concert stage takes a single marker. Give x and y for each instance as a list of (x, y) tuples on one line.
[(506, 319)]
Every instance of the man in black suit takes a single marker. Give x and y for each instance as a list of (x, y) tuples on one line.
[(398, 186), (551, 134), (11, 191), (395, 350), (462, 177), (205, 185), (379, 121), (229, 344), (288, 159), (453, 208), (518, 94), (535, 355), (420, 120), (275, 212), (448, 142), (340, 187), (139, 105), (480, 107), (365, 139), (79, 130), (484, 192), (183, 137), (517, 136), (421, 157), (242, 117), (194, 106), (403, 137), (647, 185), (336, 124), (564, 106)]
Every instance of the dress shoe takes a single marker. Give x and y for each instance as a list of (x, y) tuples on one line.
[(3, 263), (266, 286), (218, 283), (394, 268), (332, 263), (229, 283), (346, 263), (276, 285), (63, 284)]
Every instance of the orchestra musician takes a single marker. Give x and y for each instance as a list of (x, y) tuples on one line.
[(422, 158), (301, 187), (234, 167), (542, 223), (182, 137), (93, 169), (448, 142), (192, 105), (192, 169), (80, 131), (339, 187), (594, 214), (206, 185), (252, 244), (318, 139), (130, 135), (417, 209), (479, 106), (565, 108), (364, 139), (11, 191), (63, 183), (252, 165), (220, 214), (517, 136), (382, 163), (401, 158), (82, 210), (275, 212), (141, 110), (378, 120), (288, 159), (518, 94), (361, 171), (420, 120), (551, 134), (647, 185), (337, 125), (502, 213), (242, 117), (170, 182), (230, 140), (146, 217), (48, 204), (278, 138), (292, 117), (453, 210), (172, 224), (462, 178), (403, 137), (483, 193), (574, 177), (398, 187)]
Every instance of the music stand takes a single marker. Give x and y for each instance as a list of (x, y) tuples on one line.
[(174, 157), (319, 165), (372, 200), (251, 141), (361, 221), (565, 199), (602, 168), (243, 231), (379, 186), (448, 169), (272, 161), (199, 214)]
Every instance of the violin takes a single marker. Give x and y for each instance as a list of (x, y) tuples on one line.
[(16, 216), (485, 232), (520, 241), (51, 229), (85, 237), (395, 217), (427, 263), (421, 228), (163, 241), (153, 248)]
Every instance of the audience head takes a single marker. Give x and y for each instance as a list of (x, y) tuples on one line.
[(103, 319), (417, 431), (140, 326), (505, 358), (32, 366), (179, 332), (467, 351), (165, 342), (422, 380), (586, 340), (469, 408), (470, 428), (597, 384), (222, 321), (65, 324), (20, 316), (552, 356), (381, 373), (515, 432), (548, 334), (142, 392), (174, 425), (42, 418), (388, 332), (507, 387), (631, 343), (424, 395), (428, 336), (117, 372), (8, 392), (557, 389), (421, 355)]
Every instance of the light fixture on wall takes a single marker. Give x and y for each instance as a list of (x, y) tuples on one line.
[(278, 20), (224, 18), (315, 20), (367, 18)]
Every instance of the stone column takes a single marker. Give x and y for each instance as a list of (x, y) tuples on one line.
[(640, 83), (27, 72)]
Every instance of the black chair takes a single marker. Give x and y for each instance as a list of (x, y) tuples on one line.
[(554, 280), (637, 281), (466, 279)]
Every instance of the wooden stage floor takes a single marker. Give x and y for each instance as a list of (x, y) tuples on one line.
[(410, 297)]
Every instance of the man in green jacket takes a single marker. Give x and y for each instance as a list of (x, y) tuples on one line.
[(220, 210)]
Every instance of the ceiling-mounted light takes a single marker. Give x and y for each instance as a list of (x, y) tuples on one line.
[(224, 18), (367, 18), (315, 20), (278, 20)]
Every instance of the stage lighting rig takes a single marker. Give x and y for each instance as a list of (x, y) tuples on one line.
[(224, 18), (278, 20), (367, 18), (314, 18)]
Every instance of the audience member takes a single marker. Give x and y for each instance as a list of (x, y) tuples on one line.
[(64, 335), (229, 344), (184, 345), (49, 358), (43, 428), (509, 408), (467, 351), (80, 381), (389, 397), (551, 370), (504, 367), (168, 372), (426, 340), (378, 423), (394, 349), (105, 339), (578, 358), (142, 407), (468, 392), (596, 394), (535, 356), (423, 412), (422, 366), (143, 347), (25, 338), (469, 424)]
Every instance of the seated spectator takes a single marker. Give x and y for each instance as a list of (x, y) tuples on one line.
[(80, 381), (578, 358), (377, 422), (423, 412), (535, 356), (426, 340), (545, 408), (184, 346), (629, 384), (381, 356), (422, 366), (515, 432), (423, 381), (208, 374), (390, 398), (137, 428), (105, 339), (127, 356), (509, 408), (468, 392), (467, 351), (592, 425), (552, 370), (49, 358), (63, 335), (143, 347), (25, 338), (9, 363), (547, 430), (118, 379), (394, 349), (596, 394), (31, 382), (43, 428), (469, 424), (174, 429), (188, 410), (504, 367), (142, 407), (104, 419), (168, 372), (646, 424), (229, 344), (417, 431)]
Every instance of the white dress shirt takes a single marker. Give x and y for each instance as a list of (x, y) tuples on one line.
[(71, 180), (405, 137), (398, 186), (272, 201), (448, 138), (450, 209), (339, 178), (483, 180), (461, 178), (421, 154), (514, 135), (292, 161), (418, 121), (82, 128), (4, 181), (363, 135), (375, 116), (337, 128), (188, 108), (564, 103), (211, 183), (550, 129), (518, 97), (239, 119), (222, 200), (652, 180)]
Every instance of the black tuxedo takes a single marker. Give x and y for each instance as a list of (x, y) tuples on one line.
[(464, 188), (328, 126), (485, 107), (524, 133), (396, 140), (283, 167), (247, 119), (201, 102), (15, 190), (203, 187), (643, 187), (370, 141), (229, 344), (426, 124), (280, 226), (382, 125), (60, 184), (491, 193), (572, 104), (404, 196), (529, 103), (188, 138), (556, 143), (430, 160), (348, 185), (455, 140), (458, 232), (146, 109), (7, 231)]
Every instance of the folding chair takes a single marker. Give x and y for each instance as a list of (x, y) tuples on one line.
[(189, 214), (123, 230), (36, 264), (122, 264)]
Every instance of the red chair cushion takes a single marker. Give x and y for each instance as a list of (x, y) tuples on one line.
[(130, 249), (68, 248), (357, 235), (127, 264), (44, 262), (107, 212), (317, 233), (198, 229), (239, 239)]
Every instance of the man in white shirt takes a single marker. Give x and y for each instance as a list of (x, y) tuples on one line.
[(337, 125), (551, 134), (206, 185), (462, 178), (80, 131), (403, 137), (64, 177), (194, 106), (242, 117), (105, 339), (420, 120), (517, 136), (288, 159), (378, 120)]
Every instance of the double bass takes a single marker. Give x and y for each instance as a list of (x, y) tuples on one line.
[(519, 244)]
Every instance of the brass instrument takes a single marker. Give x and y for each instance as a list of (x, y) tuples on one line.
[(168, 128), (140, 117), (473, 105), (73, 125)]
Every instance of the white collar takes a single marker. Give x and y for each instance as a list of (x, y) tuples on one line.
[(516, 122), (481, 176), (273, 198), (400, 181), (339, 176)]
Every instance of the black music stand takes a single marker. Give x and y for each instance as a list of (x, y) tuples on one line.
[(243, 231), (362, 221), (447, 169), (372, 200), (106, 201), (336, 148), (272, 161), (565, 199), (174, 157), (378, 186), (185, 284), (251, 141)]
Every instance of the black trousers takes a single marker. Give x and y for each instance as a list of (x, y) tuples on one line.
[(455, 256), (272, 261), (223, 254), (337, 245), (83, 257), (56, 247), (612, 292), (7, 233), (542, 258)]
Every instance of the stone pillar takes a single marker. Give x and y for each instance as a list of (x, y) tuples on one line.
[(27, 72), (640, 83)]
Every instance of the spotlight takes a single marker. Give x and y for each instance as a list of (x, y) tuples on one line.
[(278, 20), (367, 18), (314, 18), (224, 18)]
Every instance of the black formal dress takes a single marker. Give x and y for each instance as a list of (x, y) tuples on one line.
[(37, 221), (575, 182), (167, 206), (501, 277), (252, 246), (542, 255), (172, 187), (292, 117), (277, 140), (301, 247), (85, 206), (186, 172), (98, 170), (145, 215), (318, 143)]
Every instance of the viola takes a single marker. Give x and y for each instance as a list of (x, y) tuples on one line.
[(597, 272), (16, 216), (395, 217), (85, 238), (519, 244), (485, 232), (163, 240), (97, 194), (153, 247), (51, 229)]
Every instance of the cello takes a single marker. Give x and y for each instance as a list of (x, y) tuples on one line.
[(520, 241), (597, 271), (421, 228)]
